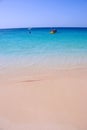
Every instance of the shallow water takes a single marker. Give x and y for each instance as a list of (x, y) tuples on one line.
[(68, 47)]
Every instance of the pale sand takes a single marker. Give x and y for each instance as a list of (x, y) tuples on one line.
[(43, 100)]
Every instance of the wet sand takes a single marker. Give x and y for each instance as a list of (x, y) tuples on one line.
[(43, 100)]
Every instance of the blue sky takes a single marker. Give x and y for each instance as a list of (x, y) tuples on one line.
[(43, 13)]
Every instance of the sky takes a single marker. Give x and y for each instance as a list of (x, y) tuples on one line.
[(43, 13)]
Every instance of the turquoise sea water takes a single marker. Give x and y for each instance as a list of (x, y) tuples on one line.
[(68, 47)]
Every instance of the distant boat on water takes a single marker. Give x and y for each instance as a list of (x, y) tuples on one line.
[(29, 30), (53, 31)]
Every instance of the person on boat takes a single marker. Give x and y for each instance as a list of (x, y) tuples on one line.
[(53, 31)]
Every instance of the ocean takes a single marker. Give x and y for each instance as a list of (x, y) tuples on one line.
[(66, 48)]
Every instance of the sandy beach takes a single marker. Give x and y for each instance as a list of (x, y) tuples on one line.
[(43, 65), (43, 100)]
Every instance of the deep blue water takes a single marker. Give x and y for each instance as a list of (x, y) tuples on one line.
[(67, 46)]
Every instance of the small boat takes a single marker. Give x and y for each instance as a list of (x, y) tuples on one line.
[(53, 31), (29, 29)]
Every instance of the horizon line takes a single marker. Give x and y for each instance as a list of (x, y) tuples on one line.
[(40, 27)]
